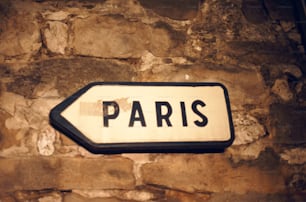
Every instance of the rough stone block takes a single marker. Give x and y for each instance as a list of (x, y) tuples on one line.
[(250, 197), (56, 37), (69, 75), (77, 198), (20, 36), (116, 37), (35, 173), (210, 173)]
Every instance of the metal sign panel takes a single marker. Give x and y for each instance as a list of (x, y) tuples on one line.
[(147, 117)]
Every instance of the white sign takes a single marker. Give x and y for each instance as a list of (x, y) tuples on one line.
[(116, 117)]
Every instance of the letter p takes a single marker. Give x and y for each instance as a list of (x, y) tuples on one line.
[(106, 111)]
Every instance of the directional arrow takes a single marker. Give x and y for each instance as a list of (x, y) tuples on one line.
[(147, 117)]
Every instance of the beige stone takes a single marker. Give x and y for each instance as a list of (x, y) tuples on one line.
[(34, 173), (77, 198), (21, 36), (294, 156), (108, 37), (210, 173), (56, 37), (291, 69), (51, 198), (138, 195), (248, 152), (116, 37), (45, 142), (247, 128), (10, 101), (58, 15)]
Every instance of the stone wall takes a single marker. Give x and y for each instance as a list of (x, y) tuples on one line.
[(50, 49)]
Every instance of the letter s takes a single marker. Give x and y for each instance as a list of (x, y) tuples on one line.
[(204, 121)]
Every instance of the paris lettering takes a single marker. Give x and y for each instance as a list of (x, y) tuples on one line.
[(164, 111)]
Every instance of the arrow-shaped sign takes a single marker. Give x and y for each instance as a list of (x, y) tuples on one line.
[(147, 117)]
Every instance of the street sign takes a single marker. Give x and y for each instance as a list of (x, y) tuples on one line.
[(147, 117)]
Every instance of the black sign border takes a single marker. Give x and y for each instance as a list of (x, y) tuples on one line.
[(64, 126)]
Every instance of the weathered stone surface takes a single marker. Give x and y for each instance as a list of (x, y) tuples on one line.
[(178, 10), (58, 15), (10, 101), (287, 124), (56, 37), (250, 197), (21, 36), (45, 142), (291, 69), (68, 75), (281, 88), (65, 173), (77, 198), (94, 36), (109, 37), (7, 198), (141, 193), (51, 198), (294, 156), (199, 173), (247, 129), (179, 196), (247, 152)]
